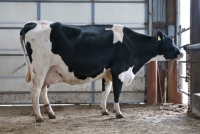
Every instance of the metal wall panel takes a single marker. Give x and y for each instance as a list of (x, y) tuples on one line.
[(120, 12), (8, 84), (159, 15), (9, 63), (71, 13), (67, 87), (9, 39), (15, 12)]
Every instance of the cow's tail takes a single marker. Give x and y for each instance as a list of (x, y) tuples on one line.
[(28, 73)]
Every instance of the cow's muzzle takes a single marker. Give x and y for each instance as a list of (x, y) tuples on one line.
[(179, 56)]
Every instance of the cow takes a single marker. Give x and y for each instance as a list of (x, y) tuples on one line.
[(80, 54)]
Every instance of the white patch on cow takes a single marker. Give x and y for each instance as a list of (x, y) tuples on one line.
[(121, 76), (127, 76), (117, 109), (105, 94), (179, 56), (118, 33), (158, 58)]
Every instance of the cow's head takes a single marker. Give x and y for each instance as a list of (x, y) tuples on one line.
[(167, 48)]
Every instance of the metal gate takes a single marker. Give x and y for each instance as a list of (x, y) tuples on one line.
[(14, 13)]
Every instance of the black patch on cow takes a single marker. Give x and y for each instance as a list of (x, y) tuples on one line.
[(27, 28), (103, 84), (117, 86), (90, 50), (24, 30), (29, 51)]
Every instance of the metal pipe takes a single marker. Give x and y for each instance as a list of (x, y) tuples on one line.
[(61, 92), (194, 46), (184, 30), (184, 77), (11, 77), (93, 92), (75, 1), (2, 49), (68, 103), (150, 18), (183, 92), (11, 55), (92, 13), (10, 27), (38, 11)]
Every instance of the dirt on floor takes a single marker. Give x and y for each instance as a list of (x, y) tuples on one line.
[(87, 119)]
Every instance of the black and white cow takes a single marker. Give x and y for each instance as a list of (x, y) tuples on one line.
[(80, 54)]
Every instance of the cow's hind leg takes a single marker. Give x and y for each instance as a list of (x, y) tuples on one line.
[(36, 85), (46, 103), (117, 87), (37, 80), (106, 87)]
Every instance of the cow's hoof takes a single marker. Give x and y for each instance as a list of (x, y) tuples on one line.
[(104, 113), (51, 116), (39, 120), (119, 116)]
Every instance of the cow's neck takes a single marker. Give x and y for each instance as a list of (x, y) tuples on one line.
[(146, 48)]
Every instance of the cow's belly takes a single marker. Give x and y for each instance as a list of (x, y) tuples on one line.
[(58, 74)]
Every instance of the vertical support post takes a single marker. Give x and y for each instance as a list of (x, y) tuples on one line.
[(93, 94), (194, 36), (152, 82), (150, 15), (38, 11), (151, 67), (92, 22), (39, 18), (195, 54), (92, 12), (173, 94)]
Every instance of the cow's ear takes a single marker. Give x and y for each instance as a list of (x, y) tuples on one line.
[(160, 36)]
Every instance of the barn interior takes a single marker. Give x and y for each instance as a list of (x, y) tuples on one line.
[(163, 98)]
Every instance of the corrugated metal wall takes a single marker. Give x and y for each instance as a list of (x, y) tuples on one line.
[(159, 16)]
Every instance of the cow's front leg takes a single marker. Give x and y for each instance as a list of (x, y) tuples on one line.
[(117, 87), (36, 86), (106, 87), (46, 103)]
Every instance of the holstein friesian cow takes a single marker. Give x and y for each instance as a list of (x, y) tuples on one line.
[(80, 54)]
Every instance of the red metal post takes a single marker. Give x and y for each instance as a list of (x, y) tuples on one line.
[(152, 82)]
